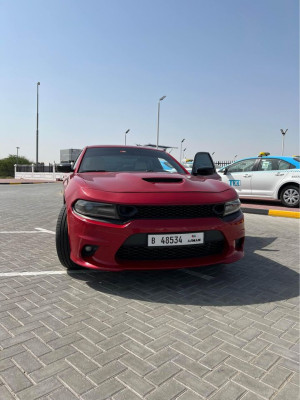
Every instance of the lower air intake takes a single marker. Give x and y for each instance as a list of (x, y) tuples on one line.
[(170, 253)]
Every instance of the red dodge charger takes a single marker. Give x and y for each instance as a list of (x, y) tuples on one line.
[(138, 208)]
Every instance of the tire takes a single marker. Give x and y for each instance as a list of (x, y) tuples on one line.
[(62, 240), (289, 196)]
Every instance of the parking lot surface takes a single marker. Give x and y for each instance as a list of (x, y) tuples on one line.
[(210, 333)]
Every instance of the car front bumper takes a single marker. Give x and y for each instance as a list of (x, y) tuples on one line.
[(124, 247)]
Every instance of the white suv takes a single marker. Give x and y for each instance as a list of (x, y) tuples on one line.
[(268, 178)]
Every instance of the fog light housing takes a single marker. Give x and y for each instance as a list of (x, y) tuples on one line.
[(239, 244), (88, 250)]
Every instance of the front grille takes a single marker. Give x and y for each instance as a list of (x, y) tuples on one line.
[(165, 212), (170, 253), (136, 248)]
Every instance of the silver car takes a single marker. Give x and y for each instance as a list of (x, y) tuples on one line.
[(268, 178)]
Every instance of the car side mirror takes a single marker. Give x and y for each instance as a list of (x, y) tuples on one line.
[(205, 171), (65, 167), (203, 164), (225, 171)]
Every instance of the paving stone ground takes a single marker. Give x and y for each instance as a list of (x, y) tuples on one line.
[(210, 333)]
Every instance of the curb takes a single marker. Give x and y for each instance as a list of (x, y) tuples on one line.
[(273, 213)]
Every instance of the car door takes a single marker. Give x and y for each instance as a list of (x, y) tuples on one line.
[(239, 175), (270, 172)]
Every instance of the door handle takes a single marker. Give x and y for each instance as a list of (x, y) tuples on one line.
[(247, 176), (279, 174)]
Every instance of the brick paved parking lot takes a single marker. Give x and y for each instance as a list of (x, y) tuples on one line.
[(210, 333)]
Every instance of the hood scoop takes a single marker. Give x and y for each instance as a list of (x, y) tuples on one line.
[(163, 180)]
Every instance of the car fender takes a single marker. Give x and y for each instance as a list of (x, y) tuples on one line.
[(289, 180)]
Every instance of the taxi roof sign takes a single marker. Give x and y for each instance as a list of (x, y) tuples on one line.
[(263, 154)]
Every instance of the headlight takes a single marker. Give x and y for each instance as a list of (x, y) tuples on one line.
[(96, 210), (231, 207)]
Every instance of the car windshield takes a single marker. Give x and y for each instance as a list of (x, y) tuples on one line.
[(127, 159)]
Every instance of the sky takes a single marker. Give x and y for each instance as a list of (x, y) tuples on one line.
[(229, 70)]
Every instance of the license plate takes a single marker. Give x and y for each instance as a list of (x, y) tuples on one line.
[(182, 239)]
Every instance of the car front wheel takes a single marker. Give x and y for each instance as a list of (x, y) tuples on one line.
[(290, 196), (62, 240)]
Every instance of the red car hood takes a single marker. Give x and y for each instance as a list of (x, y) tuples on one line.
[(137, 182)]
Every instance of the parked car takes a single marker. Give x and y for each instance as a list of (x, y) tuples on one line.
[(188, 164), (265, 177), (123, 210)]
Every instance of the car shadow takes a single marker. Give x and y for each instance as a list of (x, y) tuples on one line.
[(255, 279)]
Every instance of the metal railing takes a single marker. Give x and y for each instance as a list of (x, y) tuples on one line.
[(23, 168), (40, 172), (33, 168), (222, 163)]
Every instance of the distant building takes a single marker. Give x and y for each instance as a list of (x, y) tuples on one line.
[(69, 155)]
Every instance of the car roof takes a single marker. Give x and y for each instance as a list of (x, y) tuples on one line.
[(291, 160), (123, 145)]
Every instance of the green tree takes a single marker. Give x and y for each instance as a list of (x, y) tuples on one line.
[(7, 165)]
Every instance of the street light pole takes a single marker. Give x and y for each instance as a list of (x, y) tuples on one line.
[(283, 135), (17, 155), (126, 134), (181, 150), (37, 124), (157, 135)]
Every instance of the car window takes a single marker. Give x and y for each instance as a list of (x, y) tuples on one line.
[(242, 166), (77, 160), (127, 159), (167, 167), (268, 165), (273, 164), (285, 165)]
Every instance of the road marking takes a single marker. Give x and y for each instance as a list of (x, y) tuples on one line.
[(18, 232), (37, 273), (45, 231), (38, 230), (84, 271)]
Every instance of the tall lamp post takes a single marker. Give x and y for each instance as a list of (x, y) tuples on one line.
[(126, 134), (181, 149), (157, 135), (37, 124), (283, 135), (17, 155)]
